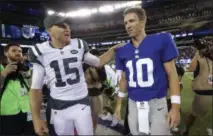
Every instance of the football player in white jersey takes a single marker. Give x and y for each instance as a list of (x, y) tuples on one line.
[(61, 61)]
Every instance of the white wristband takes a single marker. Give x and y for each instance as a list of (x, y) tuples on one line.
[(121, 94), (175, 99), (116, 89)]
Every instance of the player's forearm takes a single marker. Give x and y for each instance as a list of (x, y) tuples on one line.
[(119, 102), (106, 57), (122, 90), (174, 88), (174, 84), (35, 103)]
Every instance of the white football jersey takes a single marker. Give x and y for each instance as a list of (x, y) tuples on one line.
[(63, 69)]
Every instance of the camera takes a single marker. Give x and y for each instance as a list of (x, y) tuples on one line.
[(200, 43), (22, 67), (204, 45)]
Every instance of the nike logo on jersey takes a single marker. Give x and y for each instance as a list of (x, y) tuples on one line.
[(74, 51), (159, 109)]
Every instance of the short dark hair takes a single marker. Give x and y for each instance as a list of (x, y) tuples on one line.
[(7, 47), (140, 12)]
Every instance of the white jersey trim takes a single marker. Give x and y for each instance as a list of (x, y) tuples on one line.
[(34, 51), (91, 60), (38, 76)]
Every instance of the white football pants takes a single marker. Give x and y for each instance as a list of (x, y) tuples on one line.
[(157, 117), (77, 116)]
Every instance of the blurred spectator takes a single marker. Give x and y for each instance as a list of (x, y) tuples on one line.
[(186, 54), (15, 112), (201, 65), (173, 13)]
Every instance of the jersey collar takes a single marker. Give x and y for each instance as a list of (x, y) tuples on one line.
[(51, 45), (131, 43)]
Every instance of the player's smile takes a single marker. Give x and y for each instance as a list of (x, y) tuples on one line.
[(129, 31), (67, 32)]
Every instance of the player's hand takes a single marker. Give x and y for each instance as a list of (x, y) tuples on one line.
[(11, 67), (174, 117), (118, 113), (40, 127)]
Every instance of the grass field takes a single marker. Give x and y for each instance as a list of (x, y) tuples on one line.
[(187, 94)]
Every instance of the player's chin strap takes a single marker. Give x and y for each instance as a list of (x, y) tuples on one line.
[(175, 99)]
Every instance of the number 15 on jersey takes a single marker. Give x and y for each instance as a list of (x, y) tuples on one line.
[(59, 82)]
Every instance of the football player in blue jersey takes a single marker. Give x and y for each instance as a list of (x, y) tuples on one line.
[(147, 68)]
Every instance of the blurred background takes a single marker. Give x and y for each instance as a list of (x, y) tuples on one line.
[(100, 24)]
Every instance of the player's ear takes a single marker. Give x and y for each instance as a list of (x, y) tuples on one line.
[(49, 30), (6, 54), (143, 21)]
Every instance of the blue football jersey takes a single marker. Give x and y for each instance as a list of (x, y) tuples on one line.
[(145, 73)]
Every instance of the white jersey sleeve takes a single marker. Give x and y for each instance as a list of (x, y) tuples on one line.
[(38, 76), (91, 60), (38, 68)]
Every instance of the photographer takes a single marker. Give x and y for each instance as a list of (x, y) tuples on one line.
[(201, 65), (15, 113)]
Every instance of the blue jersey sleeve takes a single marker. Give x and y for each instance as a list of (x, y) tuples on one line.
[(169, 48), (119, 63)]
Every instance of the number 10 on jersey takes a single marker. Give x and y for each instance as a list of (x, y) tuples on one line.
[(139, 73)]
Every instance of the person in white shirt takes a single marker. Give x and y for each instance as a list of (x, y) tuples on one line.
[(109, 94), (60, 60)]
